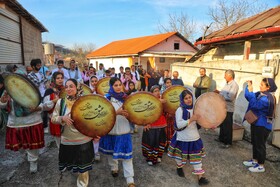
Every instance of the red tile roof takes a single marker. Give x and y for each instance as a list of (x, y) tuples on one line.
[(132, 46), (263, 23)]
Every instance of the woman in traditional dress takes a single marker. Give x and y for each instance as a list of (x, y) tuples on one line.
[(51, 96), (186, 143), (154, 137), (118, 144), (24, 129), (76, 150)]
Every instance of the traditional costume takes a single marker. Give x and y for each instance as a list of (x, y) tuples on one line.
[(24, 130), (118, 144), (76, 150), (186, 143), (51, 94)]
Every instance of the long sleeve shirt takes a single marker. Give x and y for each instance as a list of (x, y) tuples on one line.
[(190, 133), (229, 92), (32, 119), (75, 74), (260, 106), (70, 135), (177, 82), (39, 80)]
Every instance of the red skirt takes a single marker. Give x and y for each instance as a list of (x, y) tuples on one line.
[(25, 137), (169, 130), (55, 129)]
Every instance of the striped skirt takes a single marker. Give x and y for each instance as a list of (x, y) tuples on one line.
[(31, 137), (119, 146), (153, 144), (78, 158), (192, 151)]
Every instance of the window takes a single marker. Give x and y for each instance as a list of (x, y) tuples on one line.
[(161, 59), (176, 46)]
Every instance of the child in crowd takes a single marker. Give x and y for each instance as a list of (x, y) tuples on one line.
[(93, 83), (131, 90), (186, 142), (154, 137)]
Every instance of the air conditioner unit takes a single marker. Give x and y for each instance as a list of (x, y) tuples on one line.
[(268, 71)]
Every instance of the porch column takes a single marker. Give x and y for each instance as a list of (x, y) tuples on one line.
[(247, 48)]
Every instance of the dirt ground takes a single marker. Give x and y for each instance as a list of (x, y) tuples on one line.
[(223, 168)]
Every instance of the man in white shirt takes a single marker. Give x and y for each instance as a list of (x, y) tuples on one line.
[(101, 71), (74, 72), (60, 68)]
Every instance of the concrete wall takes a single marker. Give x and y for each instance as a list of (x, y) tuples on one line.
[(32, 42), (244, 70)]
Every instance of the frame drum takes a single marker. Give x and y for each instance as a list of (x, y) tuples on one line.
[(143, 108), (103, 86), (86, 91), (93, 115), (212, 108), (171, 95), (22, 90)]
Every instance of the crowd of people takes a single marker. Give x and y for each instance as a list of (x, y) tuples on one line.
[(177, 134)]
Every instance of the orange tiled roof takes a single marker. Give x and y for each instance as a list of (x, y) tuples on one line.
[(131, 46)]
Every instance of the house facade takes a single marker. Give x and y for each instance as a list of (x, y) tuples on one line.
[(156, 52), (20, 34), (252, 49)]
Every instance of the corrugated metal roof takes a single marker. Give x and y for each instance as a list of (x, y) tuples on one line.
[(268, 21), (19, 9), (133, 46)]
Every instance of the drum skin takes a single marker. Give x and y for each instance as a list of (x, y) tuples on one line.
[(143, 108), (171, 95), (86, 91), (103, 86), (22, 90), (212, 108), (93, 115)]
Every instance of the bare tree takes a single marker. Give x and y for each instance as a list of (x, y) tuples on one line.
[(179, 23), (79, 51), (226, 12)]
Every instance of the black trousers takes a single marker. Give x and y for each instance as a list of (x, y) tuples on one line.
[(259, 137), (226, 129)]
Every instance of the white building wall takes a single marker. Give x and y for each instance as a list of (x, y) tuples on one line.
[(111, 62), (244, 70)]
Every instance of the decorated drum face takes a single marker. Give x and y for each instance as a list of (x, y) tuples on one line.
[(22, 90), (103, 86), (171, 95), (212, 109), (143, 108), (93, 115), (86, 91)]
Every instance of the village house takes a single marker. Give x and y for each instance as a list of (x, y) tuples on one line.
[(156, 52), (251, 48), (20, 34)]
